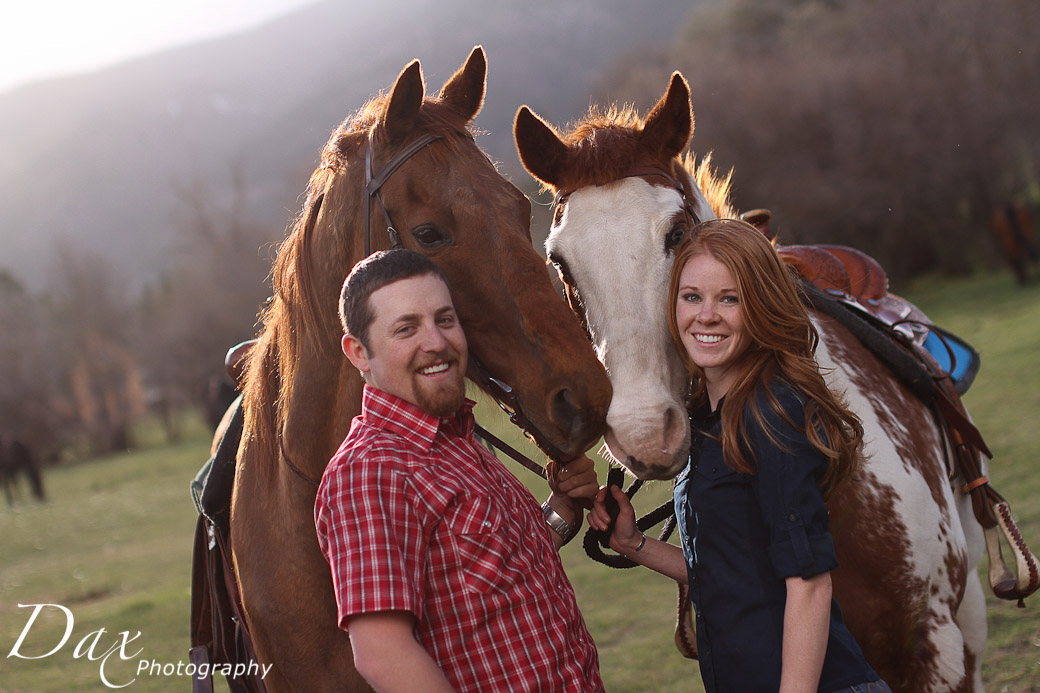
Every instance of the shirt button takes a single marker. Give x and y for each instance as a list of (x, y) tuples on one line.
[(487, 524), (793, 517)]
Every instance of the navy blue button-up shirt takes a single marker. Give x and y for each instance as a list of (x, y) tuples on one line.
[(743, 535)]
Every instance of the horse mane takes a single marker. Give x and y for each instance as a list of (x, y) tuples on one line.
[(717, 188), (297, 313), (605, 146)]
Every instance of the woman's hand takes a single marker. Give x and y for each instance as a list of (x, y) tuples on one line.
[(626, 536), (627, 540)]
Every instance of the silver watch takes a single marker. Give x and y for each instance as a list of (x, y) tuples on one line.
[(558, 524)]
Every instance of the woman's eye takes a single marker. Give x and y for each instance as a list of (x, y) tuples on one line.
[(431, 236)]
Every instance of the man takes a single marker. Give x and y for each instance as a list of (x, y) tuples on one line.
[(444, 566)]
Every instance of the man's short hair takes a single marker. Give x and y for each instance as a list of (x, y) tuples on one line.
[(371, 274)]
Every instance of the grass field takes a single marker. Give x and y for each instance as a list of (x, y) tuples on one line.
[(113, 543)]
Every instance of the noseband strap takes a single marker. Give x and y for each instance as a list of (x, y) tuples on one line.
[(374, 183)]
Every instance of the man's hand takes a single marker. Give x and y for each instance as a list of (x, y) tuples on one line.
[(576, 480)]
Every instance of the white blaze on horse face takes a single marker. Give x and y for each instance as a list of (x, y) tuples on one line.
[(611, 239)]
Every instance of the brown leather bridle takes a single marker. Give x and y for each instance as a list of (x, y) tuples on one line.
[(374, 183)]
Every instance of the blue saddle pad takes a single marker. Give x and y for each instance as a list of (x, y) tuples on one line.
[(954, 355)]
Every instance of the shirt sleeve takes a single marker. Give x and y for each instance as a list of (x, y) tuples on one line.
[(792, 506), (371, 536)]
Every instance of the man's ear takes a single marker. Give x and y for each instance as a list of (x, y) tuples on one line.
[(356, 353)]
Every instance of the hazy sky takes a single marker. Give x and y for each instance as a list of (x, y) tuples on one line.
[(46, 38)]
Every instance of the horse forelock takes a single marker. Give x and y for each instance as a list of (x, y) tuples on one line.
[(605, 146)]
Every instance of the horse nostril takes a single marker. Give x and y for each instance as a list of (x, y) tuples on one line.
[(566, 414)]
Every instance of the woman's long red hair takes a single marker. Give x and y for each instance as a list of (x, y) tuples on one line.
[(782, 345)]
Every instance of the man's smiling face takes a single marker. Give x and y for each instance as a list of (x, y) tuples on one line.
[(416, 347)]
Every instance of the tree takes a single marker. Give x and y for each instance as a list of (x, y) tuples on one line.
[(893, 127)]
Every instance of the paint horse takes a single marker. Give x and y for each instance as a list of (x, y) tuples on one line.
[(410, 159), (907, 542)]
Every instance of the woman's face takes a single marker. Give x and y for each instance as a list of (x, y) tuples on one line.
[(711, 322)]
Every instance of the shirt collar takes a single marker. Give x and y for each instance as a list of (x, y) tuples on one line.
[(394, 415), (703, 416)]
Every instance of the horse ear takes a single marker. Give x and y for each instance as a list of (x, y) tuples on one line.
[(669, 126), (405, 100), (541, 151), (464, 92)]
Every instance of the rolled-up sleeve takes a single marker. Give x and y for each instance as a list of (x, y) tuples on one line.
[(372, 539), (792, 506)]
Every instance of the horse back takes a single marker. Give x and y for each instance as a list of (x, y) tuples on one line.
[(899, 530)]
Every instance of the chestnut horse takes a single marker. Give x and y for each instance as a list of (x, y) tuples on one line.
[(446, 200), (1012, 228), (907, 542)]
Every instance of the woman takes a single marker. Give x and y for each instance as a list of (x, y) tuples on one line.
[(770, 442)]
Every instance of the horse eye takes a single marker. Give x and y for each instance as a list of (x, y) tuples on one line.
[(674, 238), (431, 236)]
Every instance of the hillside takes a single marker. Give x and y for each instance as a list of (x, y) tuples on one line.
[(103, 161)]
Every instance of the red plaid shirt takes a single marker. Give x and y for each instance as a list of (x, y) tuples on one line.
[(413, 514)]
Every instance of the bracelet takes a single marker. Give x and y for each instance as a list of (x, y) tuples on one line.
[(559, 525), (642, 543)]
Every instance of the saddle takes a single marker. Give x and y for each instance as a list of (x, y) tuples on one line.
[(219, 639), (938, 367)]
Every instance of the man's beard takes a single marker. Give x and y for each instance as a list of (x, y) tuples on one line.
[(446, 398)]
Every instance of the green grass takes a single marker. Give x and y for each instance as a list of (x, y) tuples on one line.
[(113, 543)]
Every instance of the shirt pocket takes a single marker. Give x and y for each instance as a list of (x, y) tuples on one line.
[(477, 532)]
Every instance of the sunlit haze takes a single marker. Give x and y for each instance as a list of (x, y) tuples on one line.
[(49, 38)]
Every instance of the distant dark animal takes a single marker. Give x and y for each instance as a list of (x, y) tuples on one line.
[(16, 458), (1012, 229)]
